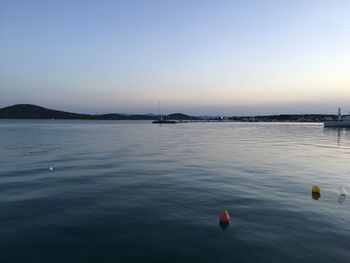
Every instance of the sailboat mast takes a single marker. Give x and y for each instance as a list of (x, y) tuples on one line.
[(159, 115)]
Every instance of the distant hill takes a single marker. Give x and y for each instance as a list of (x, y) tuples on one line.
[(29, 111), (180, 116)]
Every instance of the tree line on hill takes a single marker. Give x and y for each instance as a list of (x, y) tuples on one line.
[(29, 111)]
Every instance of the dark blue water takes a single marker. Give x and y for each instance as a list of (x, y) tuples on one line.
[(137, 192)]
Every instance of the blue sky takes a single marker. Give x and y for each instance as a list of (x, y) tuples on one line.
[(198, 57)]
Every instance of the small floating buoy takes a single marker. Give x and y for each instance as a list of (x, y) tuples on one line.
[(342, 190), (316, 189), (224, 217), (50, 169), (342, 194)]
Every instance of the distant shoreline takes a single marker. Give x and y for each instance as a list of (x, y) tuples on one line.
[(34, 112), (29, 111)]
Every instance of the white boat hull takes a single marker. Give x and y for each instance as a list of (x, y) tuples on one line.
[(345, 123)]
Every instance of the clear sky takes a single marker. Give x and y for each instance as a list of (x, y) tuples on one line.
[(198, 57)]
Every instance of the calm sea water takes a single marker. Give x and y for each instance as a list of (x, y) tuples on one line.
[(137, 192)]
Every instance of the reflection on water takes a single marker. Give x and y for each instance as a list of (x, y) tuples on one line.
[(224, 225), (341, 198), (341, 133), (342, 194), (315, 196), (136, 192)]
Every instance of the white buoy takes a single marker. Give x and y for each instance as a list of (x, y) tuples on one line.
[(342, 190), (51, 168), (342, 194)]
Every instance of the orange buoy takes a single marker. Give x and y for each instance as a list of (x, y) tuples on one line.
[(224, 217)]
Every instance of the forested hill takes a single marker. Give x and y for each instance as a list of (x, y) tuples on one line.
[(29, 111)]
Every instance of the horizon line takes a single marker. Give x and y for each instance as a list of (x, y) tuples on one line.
[(155, 114)]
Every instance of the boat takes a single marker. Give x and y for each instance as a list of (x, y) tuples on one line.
[(161, 119), (164, 121), (342, 122)]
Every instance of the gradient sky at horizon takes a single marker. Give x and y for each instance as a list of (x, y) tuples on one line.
[(197, 57)]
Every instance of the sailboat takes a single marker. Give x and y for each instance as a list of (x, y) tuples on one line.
[(162, 119)]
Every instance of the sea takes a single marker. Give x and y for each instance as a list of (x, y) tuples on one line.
[(132, 191)]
